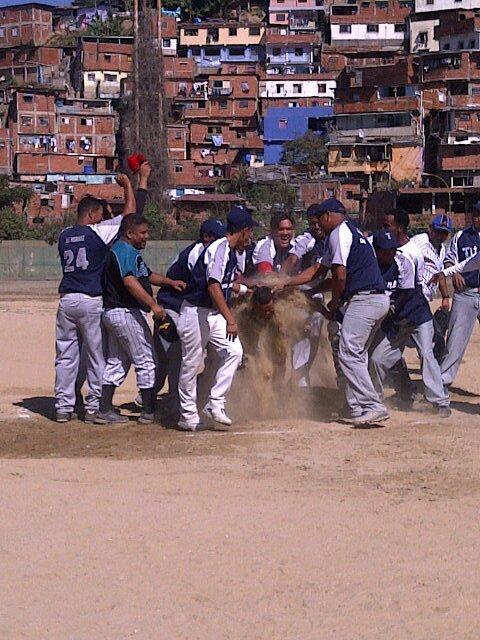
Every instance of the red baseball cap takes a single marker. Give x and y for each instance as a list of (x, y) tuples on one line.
[(135, 161)]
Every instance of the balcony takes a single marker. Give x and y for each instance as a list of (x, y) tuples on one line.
[(303, 24), (220, 92), (453, 66)]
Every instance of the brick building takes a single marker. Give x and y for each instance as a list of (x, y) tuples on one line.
[(102, 66), (27, 24)]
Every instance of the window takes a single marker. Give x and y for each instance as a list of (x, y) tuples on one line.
[(91, 77), (214, 130), (217, 84), (430, 1), (446, 47), (322, 87), (372, 28), (107, 57), (178, 135), (178, 168), (27, 98), (243, 104), (202, 104), (382, 4), (2, 33), (27, 121), (191, 32), (279, 88), (276, 51), (232, 31), (472, 44), (281, 17), (365, 5), (346, 152), (86, 122), (65, 120), (297, 88), (166, 43), (356, 97), (298, 51), (460, 45), (459, 150), (235, 51), (223, 104), (345, 28), (254, 31), (14, 32), (465, 117), (110, 77), (3, 55), (280, 1), (399, 28), (282, 123)]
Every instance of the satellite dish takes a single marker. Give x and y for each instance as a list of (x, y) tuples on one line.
[(361, 133)]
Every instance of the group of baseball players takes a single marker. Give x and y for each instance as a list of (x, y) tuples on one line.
[(381, 287)]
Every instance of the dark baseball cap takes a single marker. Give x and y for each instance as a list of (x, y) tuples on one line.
[(240, 218), (384, 239), (331, 205), (213, 227), (442, 223), (312, 211), (167, 329)]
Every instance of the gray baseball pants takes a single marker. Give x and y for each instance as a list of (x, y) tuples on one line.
[(362, 317), (78, 314), (465, 311), (129, 341), (389, 351)]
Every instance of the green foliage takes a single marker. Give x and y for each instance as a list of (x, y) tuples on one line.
[(157, 223), (202, 8), (12, 225), (308, 152), (9, 195), (110, 27), (266, 199)]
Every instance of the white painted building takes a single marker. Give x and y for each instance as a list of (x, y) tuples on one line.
[(367, 33), (422, 6), (292, 88), (422, 35)]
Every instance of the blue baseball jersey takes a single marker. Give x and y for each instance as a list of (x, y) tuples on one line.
[(218, 262), (180, 269), (124, 260), (465, 244), (348, 247), (83, 250)]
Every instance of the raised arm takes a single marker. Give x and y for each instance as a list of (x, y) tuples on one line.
[(128, 194)]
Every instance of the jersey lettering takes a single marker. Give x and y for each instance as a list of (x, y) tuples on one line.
[(469, 252)]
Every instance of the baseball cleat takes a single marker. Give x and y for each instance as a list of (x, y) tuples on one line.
[(110, 417), (218, 415), (65, 416), (183, 425), (146, 418), (444, 412), (90, 417), (371, 417)]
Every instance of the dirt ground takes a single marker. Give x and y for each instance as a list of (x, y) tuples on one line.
[(280, 529)]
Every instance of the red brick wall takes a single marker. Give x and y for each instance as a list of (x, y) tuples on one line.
[(107, 56), (33, 25)]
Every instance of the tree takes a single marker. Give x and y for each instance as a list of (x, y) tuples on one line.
[(308, 152)]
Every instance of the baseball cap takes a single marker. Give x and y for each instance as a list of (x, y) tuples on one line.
[(442, 223), (240, 218), (213, 227), (385, 240), (312, 210), (135, 161), (332, 205), (167, 329)]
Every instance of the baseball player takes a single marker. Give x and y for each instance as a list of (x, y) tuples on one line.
[(307, 248), (466, 298), (358, 287), (128, 299), (169, 354), (409, 318), (83, 249), (206, 318), (271, 252)]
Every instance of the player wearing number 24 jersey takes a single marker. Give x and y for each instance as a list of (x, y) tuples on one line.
[(83, 249)]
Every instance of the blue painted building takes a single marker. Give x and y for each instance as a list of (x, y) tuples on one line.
[(214, 56), (282, 124)]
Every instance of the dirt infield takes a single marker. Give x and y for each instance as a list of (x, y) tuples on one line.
[(281, 529)]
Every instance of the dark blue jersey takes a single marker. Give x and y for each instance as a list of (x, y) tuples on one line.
[(82, 254)]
